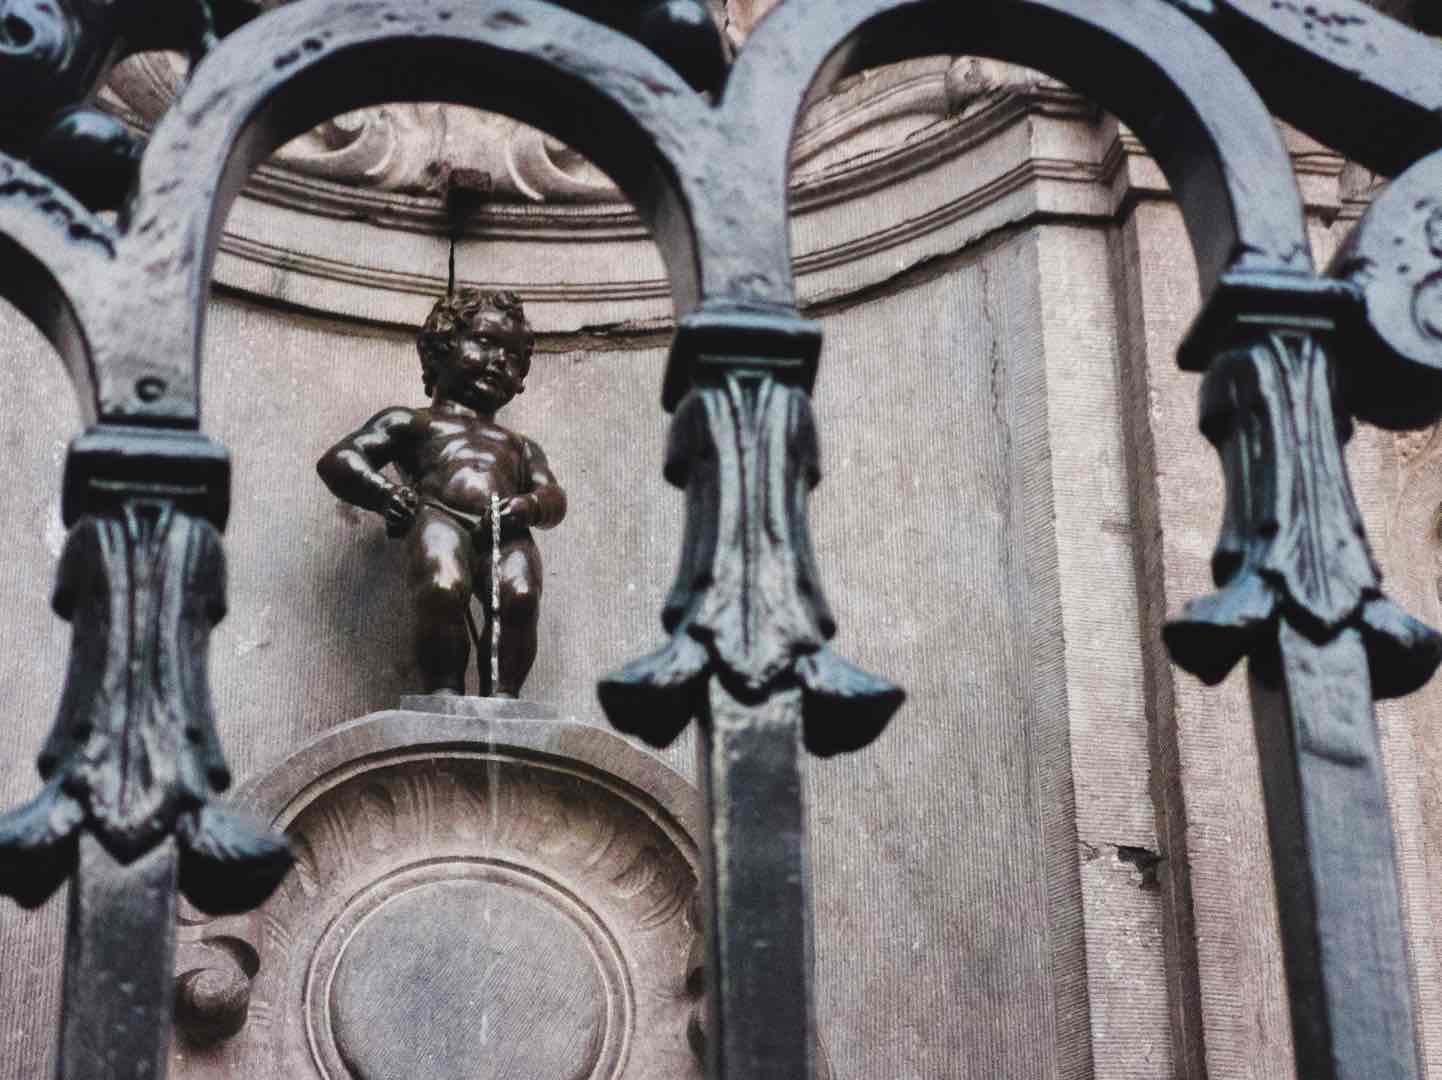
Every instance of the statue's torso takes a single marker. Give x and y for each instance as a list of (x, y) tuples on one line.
[(463, 460)]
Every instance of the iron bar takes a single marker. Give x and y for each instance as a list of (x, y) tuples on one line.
[(1334, 862), (119, 985), (758, 942)]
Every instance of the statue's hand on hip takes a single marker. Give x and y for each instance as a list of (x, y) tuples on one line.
[(516, 514), (400, 510)]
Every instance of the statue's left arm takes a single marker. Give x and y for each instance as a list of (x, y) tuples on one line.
[(545, 499)]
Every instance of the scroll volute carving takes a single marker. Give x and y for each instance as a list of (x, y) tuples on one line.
[(413, 148), (500, 886), (214, 981), (1292, 545), (747, 605)]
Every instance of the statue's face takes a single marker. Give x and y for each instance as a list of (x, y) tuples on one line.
[(44, 64), (484, 370)]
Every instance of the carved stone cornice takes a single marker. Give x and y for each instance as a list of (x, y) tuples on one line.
[(940, 151), (945, 143)]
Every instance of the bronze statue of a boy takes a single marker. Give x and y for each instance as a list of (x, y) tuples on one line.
[(453, 459)]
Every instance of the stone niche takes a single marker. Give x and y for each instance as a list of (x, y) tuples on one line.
[(494, 896), (506, 895)]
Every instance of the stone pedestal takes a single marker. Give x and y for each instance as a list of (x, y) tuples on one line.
[(481, 708), (482, 890)]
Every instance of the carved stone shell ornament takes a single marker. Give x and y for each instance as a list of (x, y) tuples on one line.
[(405, 148), (412, 148)]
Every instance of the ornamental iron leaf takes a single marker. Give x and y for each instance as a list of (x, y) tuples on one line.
[(747, 605), (134, 757), (1292, 545)]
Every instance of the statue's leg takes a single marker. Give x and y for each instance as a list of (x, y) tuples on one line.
[(520, 612), (440, 558)]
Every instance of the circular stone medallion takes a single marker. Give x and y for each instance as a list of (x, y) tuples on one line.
[(469, 968), (468, 980)]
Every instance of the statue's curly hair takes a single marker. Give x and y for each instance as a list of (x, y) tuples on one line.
[(458, 311)]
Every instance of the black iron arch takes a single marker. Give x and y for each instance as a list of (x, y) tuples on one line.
[(1151, 65), (603, 93), (1348, 75), (58, 254)]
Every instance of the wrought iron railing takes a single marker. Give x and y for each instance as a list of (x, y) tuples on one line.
[(1290, 356)]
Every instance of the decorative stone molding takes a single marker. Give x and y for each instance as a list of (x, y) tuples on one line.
[(896, 167), (411, 148), (346, 219)]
